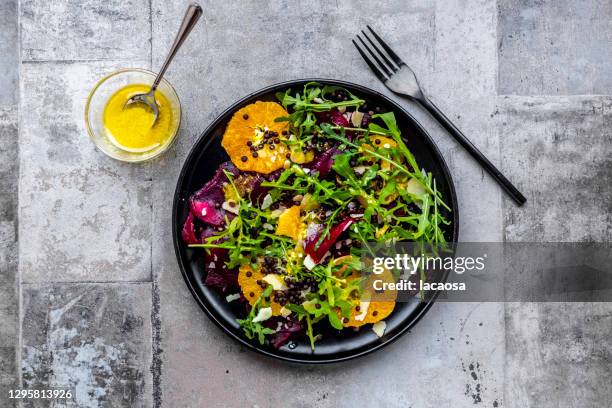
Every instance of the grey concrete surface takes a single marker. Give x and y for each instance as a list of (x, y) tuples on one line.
[(84, 216), (71, 30), (9, 292), (91, 339), (104, 306), (9, 52), (558, 355), (559, 150), (555, 47), (9, 170)]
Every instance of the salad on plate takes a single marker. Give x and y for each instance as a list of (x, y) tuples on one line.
[(286, 226)]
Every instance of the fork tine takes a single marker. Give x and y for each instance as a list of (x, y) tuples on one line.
[(371, 64), (388, 71), (382, 55), (392, 54)]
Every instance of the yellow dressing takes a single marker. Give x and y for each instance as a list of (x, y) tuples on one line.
[(131, 127)]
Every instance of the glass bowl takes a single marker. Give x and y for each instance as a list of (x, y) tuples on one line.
[(100, 95)]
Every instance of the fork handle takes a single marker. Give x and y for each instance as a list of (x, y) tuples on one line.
[(473, 150), (192, 15)]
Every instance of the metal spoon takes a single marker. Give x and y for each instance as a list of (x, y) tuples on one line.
[(192, 15)]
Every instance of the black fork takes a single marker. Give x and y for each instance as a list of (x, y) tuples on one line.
[(400, 79)]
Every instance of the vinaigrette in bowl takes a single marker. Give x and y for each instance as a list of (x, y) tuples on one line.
[(129, 133)]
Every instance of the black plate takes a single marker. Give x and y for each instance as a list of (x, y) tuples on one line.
[(200, 166)]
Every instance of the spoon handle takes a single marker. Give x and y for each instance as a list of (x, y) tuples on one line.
[(192, 15)]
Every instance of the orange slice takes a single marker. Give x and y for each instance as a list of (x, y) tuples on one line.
[(299, 157), (380, 306), (384, 143), (247, 279), (289, 223), (248, 128)]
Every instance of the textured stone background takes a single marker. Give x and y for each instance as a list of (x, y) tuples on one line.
[(96, 302)]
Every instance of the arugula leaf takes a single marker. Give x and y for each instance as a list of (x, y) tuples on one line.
[(297, 309), (343, 167), (256, 329), (306, 101), (346, 307), (389, 120), (335, 321), (327, 89), (309, 333), (387, 190), (369, 175)]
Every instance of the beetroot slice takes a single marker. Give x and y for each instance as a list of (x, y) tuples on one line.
[(338, 118), (217, 274), (333, 116), (222, 280), (291, 328), (188, 232), (317, 254), (204, 202), (204, 209), (194, 231), (324, 162)]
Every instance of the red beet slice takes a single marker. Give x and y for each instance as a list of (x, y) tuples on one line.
[(222, 281), (188, 233), (324, 162), (204, 209), (338, 118), (205, 203), (333, 116), (317, 254), (290, 327), (217, 274)]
